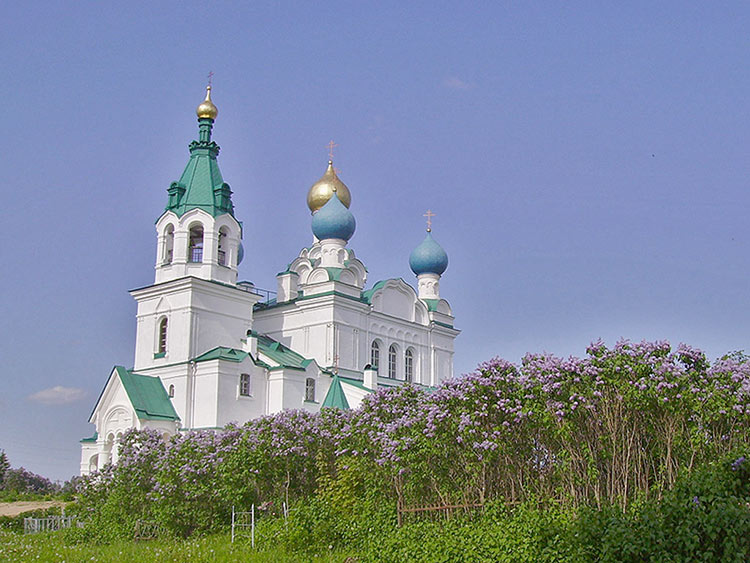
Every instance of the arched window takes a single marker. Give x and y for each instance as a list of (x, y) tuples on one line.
[(195, 250), (245, 389), (171, 391), (223, 255), (162, 346), (392, 361), (409, 365), (310, 389), (93, 463), (168, 244), (375, 355)]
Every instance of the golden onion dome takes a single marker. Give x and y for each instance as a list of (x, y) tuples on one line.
[(322, 190), (207, 109)]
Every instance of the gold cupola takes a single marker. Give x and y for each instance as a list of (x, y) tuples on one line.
[(322, 190), (207, 109)]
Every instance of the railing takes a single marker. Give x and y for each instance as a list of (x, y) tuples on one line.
[(196, 254), (445, 511), (48, 524), (222, 258), (267, 294), (147, 530)]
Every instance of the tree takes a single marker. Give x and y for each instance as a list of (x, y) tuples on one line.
[(4, 467)]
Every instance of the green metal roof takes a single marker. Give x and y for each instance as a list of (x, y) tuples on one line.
[(279, 353), (201, 185), (334, 273), (93, 438), (230, 355), (354, 382), (335, 398), (431, 304), (367, 295), (222, 353), (147, 395)]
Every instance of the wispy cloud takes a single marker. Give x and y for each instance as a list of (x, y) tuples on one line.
[(455, 83), (58, 395)]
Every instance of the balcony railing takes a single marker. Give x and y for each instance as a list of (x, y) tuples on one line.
[(266, 294), (196, 254), (222, 258)]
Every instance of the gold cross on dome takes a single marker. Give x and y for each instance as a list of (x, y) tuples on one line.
[(330, 146), (210, 77), (429, 216)]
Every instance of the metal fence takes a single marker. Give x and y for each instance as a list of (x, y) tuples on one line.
[(244, 522), (147, 530), (48, 524), (432, 511)]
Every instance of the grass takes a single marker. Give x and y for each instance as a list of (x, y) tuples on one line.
[(218, 548)]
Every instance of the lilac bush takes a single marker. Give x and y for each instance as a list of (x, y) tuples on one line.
[(619, 423)]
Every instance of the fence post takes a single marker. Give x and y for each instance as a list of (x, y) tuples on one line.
[(252, 527), (232, 523)]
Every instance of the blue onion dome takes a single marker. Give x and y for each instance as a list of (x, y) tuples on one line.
[(240, 254), (333, 220), (428, 258)]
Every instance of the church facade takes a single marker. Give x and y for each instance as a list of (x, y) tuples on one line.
[(212, 350)]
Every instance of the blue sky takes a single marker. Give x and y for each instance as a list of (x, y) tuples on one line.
[(587, 162)]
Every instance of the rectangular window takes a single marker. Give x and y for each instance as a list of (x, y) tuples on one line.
[(310, 389), (245, 389)]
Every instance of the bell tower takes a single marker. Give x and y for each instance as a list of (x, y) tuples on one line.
[(198, 235), (195, 303)]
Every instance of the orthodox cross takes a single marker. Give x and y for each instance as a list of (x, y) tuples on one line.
[(210, 77), (336, 364), (330, 149), (429, 216)]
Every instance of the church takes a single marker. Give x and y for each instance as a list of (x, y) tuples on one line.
[(212, 350)]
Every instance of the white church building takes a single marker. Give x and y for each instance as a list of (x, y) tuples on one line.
[(212, 350)]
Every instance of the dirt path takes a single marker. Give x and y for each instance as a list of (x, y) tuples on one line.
[(16, 508)]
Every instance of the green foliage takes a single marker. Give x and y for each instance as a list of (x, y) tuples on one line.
[(4, 466), (214, 548), (705, 517), (529, 532), (609, 457)]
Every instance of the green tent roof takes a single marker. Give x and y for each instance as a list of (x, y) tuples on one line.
[(201, 185), (147, 395), (335, 398)]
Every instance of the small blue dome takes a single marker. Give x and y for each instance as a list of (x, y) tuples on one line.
[(428, 258), (333, 220), (240, 254)]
